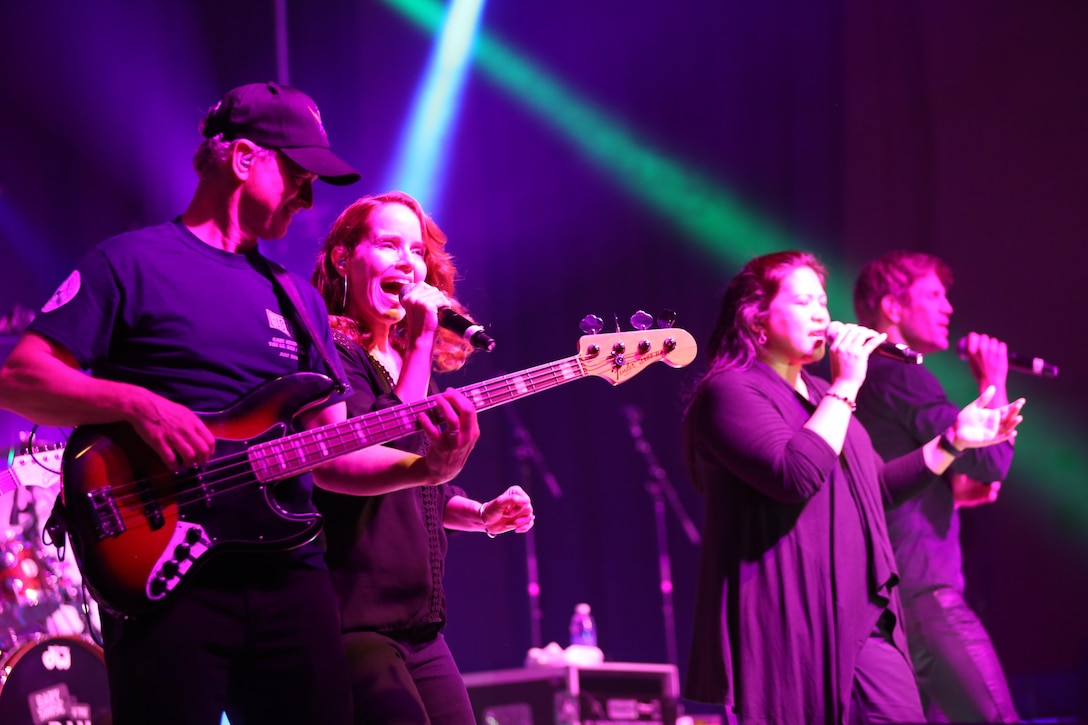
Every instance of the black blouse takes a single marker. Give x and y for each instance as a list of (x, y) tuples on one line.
[(386, 553)]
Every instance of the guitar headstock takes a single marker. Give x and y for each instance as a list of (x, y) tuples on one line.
[(40, 466), (619, 356)]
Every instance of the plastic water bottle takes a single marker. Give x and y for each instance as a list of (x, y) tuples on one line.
[(583, 630)]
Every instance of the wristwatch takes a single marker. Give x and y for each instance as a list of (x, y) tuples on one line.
[(946, 444)]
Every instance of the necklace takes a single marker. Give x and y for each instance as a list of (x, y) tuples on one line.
[(381, 369), (351, 329)]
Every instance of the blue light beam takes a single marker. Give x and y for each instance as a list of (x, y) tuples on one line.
[(419, 165)]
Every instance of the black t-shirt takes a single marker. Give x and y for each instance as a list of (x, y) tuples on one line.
[(903, 407), (202, 327)]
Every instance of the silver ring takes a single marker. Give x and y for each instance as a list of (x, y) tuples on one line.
[(453, 433)]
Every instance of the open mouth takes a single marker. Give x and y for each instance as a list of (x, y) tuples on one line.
[(394, 286)]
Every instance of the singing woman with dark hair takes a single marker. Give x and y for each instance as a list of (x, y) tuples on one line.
[(798, 618)]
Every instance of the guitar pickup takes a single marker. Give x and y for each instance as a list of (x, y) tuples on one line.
[(106, 516), (152, 508)]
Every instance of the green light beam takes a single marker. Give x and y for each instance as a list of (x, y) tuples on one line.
[(1050, 451)]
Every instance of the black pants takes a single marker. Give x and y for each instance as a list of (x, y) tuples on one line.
[(884, 689), (257, 639), (958, 670), (403, 683)]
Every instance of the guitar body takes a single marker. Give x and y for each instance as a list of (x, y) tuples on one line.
[(136, 528)]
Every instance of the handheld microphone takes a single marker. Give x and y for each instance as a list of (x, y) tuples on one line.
[(461, 325), (895, 351), (1021, 363), (466, 328)]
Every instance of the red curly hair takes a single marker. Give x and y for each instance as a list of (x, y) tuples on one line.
[(352, 227)]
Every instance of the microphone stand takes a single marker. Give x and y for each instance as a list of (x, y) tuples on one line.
[(661, 490), (529, 457)]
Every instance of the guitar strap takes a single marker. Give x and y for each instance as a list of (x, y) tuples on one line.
[(287, 284)]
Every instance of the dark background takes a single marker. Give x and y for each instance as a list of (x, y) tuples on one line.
[(846, 127)]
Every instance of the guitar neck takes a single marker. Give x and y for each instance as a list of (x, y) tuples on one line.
[(302, 452), (508, 388)]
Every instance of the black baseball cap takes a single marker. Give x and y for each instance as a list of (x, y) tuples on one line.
[(283, 118)]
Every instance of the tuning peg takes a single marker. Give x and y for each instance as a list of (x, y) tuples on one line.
[(667, 318), (591, 324), (642, 320)]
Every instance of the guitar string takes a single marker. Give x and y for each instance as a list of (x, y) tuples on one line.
[(490, 390), (340, 434)]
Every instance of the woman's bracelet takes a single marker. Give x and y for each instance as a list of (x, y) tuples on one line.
[(843, 398), (480, 513)]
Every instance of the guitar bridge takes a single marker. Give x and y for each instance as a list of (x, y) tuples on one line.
[(107, 518)]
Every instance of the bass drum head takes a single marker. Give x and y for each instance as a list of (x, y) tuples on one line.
[(57, 679)]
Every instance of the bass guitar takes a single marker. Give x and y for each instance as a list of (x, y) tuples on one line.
[(138, 530)]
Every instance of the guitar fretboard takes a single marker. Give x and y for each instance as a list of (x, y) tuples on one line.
[(301, 452)]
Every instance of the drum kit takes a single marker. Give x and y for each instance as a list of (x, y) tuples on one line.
[(51, 670)]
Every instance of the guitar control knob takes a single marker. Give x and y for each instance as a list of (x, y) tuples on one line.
[(158, 586), (181, 552), (192, 536), (170, 569)]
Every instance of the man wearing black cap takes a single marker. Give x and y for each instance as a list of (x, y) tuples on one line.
[(234, 612)]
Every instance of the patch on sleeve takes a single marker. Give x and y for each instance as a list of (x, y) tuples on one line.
[(68, 289)]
